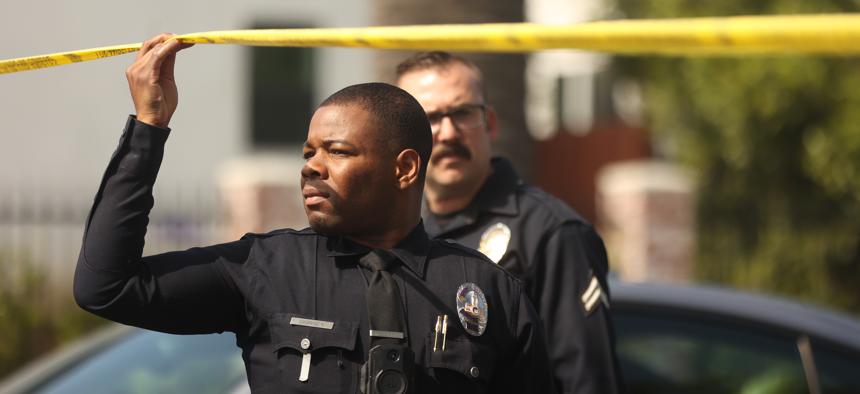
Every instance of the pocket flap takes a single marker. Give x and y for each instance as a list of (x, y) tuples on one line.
[(292, 331), (473, 360)]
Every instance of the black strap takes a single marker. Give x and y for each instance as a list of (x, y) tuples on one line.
[(384, 309)]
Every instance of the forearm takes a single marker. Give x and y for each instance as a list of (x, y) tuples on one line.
[(116, 226)]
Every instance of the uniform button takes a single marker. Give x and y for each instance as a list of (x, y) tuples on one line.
[(474, 371), (305, 344)]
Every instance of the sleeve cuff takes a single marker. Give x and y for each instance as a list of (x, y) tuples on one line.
[(132, 119), (144, 135)]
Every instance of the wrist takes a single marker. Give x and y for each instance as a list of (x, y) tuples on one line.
[(152, 121)]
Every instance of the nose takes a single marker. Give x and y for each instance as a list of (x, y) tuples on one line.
[(314, 168), (447, 130)]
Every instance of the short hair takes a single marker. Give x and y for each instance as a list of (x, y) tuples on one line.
[(439, 60), (401, 119)]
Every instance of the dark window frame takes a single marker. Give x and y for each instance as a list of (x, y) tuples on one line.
[(281, 91)]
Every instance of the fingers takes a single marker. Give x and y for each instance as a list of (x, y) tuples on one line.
[(154, 55), (151, 79), (167, 66), (161, 47), (151, 43), (164, 50), (156, 58)]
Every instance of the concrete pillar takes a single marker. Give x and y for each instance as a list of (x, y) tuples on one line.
[(646, 216), (260, 194)]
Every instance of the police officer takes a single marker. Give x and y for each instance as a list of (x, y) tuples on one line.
[(363, 301), (481, 202)]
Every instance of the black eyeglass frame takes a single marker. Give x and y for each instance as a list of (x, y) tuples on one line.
[(452, 114)]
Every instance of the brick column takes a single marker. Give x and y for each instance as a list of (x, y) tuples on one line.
[(261, 194), (646, 216)]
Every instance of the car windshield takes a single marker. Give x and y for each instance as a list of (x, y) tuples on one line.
[(153, 362)]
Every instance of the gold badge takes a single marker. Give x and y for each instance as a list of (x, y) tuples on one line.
[(494, 241)]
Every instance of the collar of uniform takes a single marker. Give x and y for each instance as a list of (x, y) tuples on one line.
[(497, 195), (412, 250)]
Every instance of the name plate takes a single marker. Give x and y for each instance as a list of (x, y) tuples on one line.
[(387, 334), (298, 321)]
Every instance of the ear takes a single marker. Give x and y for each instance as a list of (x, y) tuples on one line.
[(408, 168), (492, 123)]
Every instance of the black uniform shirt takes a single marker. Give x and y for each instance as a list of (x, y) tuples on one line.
[(563, 263), (257, 285)]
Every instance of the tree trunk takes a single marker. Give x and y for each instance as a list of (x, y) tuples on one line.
[(503, 74)]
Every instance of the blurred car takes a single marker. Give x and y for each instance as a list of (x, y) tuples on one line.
[(670, 339), (128, 360), (695, 339)]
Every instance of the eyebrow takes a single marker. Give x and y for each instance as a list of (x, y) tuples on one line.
[(330, 142)]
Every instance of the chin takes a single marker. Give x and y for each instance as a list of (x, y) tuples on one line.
[(322, 230), (323, 224), (319, 223), (448, 178)]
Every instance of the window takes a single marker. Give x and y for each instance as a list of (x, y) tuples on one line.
[(838, 371), (677, 354), (154, 362), (281, 93)]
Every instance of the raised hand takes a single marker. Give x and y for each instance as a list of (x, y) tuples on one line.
[(151, 80)]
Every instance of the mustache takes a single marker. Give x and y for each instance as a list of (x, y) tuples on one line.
[(452, 148)]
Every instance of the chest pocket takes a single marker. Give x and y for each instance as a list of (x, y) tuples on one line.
[(466, 364), (328, 370)]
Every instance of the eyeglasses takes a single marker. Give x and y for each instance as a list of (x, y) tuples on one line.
[(464, 117)]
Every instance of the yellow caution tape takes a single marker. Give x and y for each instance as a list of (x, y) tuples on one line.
[(826, 34), (59, 59)]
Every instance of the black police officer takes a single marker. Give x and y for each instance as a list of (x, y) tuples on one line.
[(481, 203), (310, 307)]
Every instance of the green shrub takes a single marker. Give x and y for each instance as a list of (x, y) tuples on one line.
[(35, 315)]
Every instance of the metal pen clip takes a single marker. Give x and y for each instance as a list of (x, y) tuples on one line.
[(436, 331), (444, 332)]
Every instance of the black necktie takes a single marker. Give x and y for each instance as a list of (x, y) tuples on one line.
[(384, 309)]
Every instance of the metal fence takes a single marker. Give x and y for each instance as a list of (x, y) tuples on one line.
[(43, 230)]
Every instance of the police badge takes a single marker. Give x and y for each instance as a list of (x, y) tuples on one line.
[(494, 241), (472, 309)]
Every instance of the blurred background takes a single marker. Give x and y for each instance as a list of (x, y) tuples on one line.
[(743, 172)]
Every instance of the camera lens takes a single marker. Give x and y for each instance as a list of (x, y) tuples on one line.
[(393, 355), (391, 382)]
